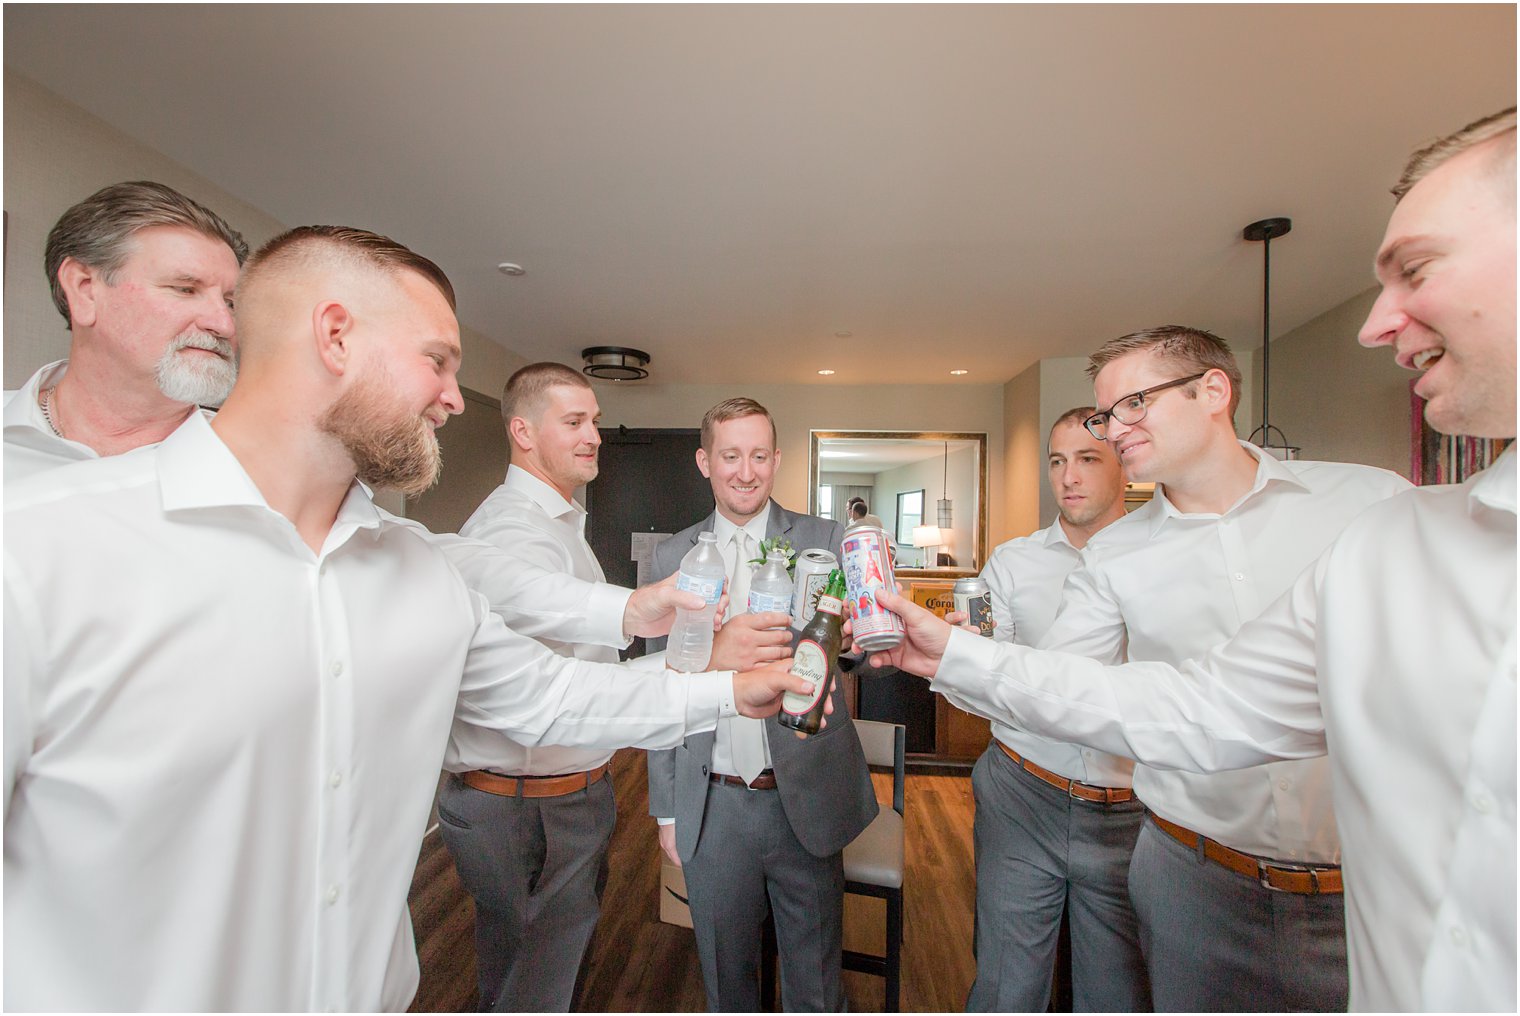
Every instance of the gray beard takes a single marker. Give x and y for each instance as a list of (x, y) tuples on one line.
[(389, 449), (201, 381)]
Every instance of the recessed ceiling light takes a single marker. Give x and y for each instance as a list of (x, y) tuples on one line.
[(508, 268), (843, 335), (825, 373), (959, 371)]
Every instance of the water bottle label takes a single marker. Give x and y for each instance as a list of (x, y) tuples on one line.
[(764, 603), (709, 589), (810, 664)]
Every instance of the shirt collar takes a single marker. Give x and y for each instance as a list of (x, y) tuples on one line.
[(197, 470), (22, 410), (540, 493), (723, 529), (1269, 471), (1495, 486), (1055, 535)]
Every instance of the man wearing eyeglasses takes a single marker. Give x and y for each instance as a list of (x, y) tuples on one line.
[(1229, 529)]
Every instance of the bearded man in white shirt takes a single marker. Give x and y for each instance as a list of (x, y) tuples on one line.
[(1055, 823), (144, 277), (229, 680), (529, 827), (1416, 710)]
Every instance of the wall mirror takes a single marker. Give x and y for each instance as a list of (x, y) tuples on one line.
[(906, 478)]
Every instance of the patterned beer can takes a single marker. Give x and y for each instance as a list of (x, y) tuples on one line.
[(974, 597), (867, 569), (810, 576)]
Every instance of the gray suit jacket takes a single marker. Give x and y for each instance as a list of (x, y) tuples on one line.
[(823, 780)]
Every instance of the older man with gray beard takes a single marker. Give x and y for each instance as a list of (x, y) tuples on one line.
[(145, 277)]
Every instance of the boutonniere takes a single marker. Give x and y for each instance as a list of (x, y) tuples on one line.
[(777, 543)]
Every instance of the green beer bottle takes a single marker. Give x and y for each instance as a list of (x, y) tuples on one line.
[(814, 659)]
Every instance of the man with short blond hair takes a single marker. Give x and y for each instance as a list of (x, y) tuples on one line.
[(1395, 651), (1055, 823), (757, 817)]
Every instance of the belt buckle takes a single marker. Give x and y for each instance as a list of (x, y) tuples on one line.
[(1263, 868)]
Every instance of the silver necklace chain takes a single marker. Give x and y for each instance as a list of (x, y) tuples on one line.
[(47, 409)]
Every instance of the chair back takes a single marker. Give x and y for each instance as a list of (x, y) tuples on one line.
[(885, 744)]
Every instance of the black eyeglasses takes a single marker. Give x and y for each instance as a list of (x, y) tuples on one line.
[(1129, 410)]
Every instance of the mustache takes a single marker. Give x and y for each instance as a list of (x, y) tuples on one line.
[(206, 341)]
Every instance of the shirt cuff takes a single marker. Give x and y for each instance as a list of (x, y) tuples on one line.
[(710, 698), (665, 821), (604, 615), (968, 661)]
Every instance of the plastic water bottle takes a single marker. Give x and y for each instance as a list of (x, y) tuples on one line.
[(691, 638), (770, 590)]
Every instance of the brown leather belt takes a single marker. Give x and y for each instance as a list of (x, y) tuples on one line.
[(532, 786), (1081, 791), (765, 781), (1306, 880)]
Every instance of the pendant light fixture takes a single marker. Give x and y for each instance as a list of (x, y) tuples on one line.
[(1265, 231), (944, 500)]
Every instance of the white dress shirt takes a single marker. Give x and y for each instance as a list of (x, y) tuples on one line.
[(1396, 651), (1178, 584), (1025, 576), (739, 726), (534, 601), (31, 447), (220, 747), (527, 519)]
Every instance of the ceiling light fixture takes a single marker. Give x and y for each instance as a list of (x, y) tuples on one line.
[(508, 268), (1265, 231), (615, 363), (959, 371), (826, 373)]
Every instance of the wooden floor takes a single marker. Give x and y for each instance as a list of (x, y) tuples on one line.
[(641, 965)]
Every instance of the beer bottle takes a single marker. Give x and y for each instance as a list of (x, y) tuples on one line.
[(814, 659)]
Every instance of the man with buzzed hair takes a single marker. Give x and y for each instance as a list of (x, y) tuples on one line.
[(1055, 822), (144, 276), (229, 680), (529, 826), (1395, 651)]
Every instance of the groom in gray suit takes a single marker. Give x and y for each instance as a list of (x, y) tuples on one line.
[(753, 813)]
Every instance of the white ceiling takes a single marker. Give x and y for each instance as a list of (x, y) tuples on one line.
[(727, 187)]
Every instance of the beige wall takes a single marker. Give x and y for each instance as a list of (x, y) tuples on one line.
[(1335, 400), (956, 476), (57, 154), (800, 408)]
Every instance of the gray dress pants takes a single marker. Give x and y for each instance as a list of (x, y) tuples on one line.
[(536, 868), (1216, 941), (748, 857), (1040, 851)]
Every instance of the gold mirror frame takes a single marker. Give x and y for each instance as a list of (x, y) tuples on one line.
[(982, 549)]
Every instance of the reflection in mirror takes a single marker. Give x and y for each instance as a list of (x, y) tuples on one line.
[(926, 489)]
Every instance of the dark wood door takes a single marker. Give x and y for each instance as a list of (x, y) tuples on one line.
[(648, 483)]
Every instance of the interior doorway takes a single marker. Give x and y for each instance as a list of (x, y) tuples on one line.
[(648, 483)]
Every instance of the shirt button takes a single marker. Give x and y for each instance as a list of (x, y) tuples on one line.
[(332, 895), (1240, 577), (1459, 936), (1481, 803), (335, 780), (337, 668), (1284, 784)]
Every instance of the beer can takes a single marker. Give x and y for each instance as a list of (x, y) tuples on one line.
[(810, 576), (868, 569), (974, 597)]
